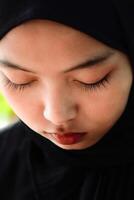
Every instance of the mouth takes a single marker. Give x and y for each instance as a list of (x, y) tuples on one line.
[(68, 138)]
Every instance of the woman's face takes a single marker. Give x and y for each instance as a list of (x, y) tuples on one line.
[(59, 80)]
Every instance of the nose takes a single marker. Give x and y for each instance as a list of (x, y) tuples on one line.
[(59, 109)]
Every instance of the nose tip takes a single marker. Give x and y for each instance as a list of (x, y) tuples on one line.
[(60, 118), (59, 107)]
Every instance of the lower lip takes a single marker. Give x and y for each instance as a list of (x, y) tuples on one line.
[(70, 138)]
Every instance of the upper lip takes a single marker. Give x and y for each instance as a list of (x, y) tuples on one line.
[(65, 133)]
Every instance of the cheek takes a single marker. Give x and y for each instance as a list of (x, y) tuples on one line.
[(23, 105), (29, 110), (104, 109)]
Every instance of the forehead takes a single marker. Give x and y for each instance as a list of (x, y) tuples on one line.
[(46, 30), (48, 42)]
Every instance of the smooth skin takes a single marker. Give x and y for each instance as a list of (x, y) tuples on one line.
[(50, 96)]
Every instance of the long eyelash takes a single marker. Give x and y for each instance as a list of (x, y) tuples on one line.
[(19, 87), (83, 86), (94, 86)]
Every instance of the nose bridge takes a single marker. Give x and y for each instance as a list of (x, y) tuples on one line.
[(59, 106)]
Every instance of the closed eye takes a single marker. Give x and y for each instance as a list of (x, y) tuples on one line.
[(15, 86), (97, 85)]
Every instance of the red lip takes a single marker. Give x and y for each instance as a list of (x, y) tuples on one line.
[(68, 138)]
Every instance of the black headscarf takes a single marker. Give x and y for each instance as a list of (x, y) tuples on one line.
[(110, 22)]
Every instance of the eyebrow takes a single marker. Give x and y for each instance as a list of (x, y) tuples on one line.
[(86, 64), (91, 61), (11, 65)]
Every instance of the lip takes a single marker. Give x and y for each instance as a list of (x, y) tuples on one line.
[(68, 138)]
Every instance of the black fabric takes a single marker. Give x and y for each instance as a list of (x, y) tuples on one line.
[(32, 167)]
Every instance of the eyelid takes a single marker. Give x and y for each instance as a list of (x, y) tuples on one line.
[(94, 75), (15, 86), (86, 87), (97, 80), (23, 84), (19, 74), (6, 76)]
